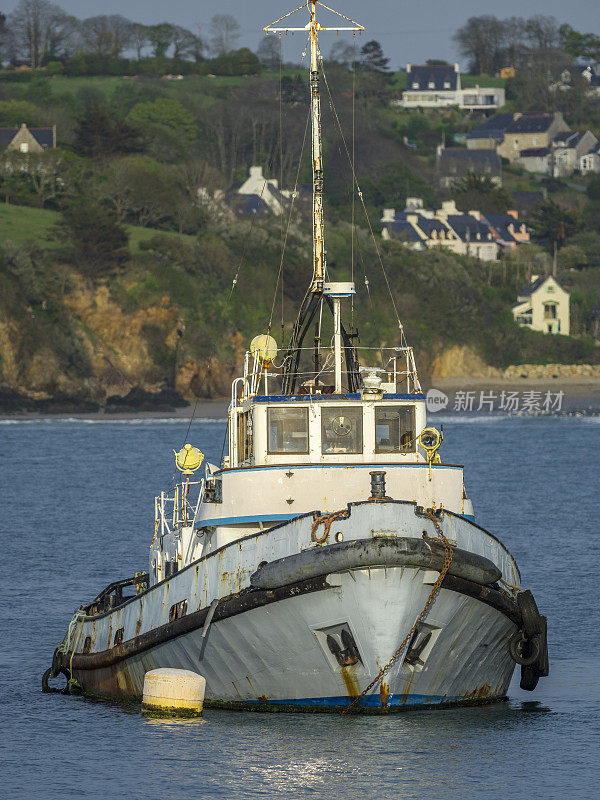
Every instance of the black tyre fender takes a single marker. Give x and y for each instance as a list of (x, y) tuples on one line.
[(543, 665), (46, 688), (525, 650), (532, 620), (529, 678)]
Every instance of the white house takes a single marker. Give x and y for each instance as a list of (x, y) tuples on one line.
[(543, 306), (590, 162), (421, 229), (439, 86), (569, 147), (267, 189)]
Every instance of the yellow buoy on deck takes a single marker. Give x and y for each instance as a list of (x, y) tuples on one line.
[(176, 692)]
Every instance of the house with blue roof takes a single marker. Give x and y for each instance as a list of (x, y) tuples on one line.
[(439, 86), (422, 229), (28, 140)]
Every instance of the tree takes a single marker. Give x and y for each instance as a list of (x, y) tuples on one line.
[(186, 44), (372, 58), (107, 35), (141, 190), (268, 51), (160, 37), (225, 31), (98, 241), (167, 115), (579, 45), (139, 38), (481, 40), (343, 53), (40, 30), (479, 192), (15, 112), (552, 225), (99, 135)]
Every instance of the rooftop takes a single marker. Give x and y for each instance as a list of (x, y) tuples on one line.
[(432, 77)]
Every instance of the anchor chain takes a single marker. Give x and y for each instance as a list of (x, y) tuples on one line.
[(448, 556)]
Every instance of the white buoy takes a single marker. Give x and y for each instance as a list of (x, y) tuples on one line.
[(177, 692)]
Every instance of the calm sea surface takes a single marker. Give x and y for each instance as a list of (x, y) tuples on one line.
[(77, 509)]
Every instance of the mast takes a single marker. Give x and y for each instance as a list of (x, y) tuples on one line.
[(317, 154), (318, 289), (313, 27)]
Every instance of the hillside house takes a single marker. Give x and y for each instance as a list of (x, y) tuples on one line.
[(530, 132), (508, 230), (28, 140), (590, 162), (534, 159), (439, 86), (490, 133), (453, 164), (260, 196), (421, 229), (543, 306), (568, 150)]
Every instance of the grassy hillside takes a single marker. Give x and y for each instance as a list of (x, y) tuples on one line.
[(22, 224)]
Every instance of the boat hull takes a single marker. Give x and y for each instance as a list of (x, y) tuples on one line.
[(275, 655)]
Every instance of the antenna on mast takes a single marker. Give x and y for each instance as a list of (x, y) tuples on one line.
[(313, 27)]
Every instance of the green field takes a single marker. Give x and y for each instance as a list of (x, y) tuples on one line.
[(21, 224)]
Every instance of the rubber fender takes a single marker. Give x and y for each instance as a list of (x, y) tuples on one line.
[(403, 551), (532, 619), (47, 689), (524, 650)]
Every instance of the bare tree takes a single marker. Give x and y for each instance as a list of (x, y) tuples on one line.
[(542, 32), (225, 32), (268, 51), (107, 35), (40, 29), (343, 53), (139, 38), (186, 44)]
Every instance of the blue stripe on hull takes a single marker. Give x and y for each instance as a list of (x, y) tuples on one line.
[(370, 701)]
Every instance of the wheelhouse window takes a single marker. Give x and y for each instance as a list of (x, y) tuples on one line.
[(341, 429), (395, 429), (288, 430), (244, 436)]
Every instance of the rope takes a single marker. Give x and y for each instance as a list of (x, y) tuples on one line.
[(448, 556), (289, 222), (327, 520)]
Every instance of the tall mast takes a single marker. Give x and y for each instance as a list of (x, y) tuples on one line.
[(313, 27), (317, 156)]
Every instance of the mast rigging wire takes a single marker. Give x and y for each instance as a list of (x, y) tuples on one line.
[(360, 195)]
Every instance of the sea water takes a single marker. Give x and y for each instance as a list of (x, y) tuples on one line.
[(77, 513)]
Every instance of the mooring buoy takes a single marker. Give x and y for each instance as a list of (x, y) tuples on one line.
[(173, 692)]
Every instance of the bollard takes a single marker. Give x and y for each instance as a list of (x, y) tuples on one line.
[(377, 485), (173, 692)]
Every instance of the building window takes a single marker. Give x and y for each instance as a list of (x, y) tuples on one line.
[(287, 430), (431, 85), (550, 311), (24, 147), (341, 429), (395, 429), (415, 85), (446, 84)]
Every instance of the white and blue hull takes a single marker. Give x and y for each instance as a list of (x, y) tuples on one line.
[(275, 653)]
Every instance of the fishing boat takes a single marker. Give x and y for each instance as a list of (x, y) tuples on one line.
[(332, 560)]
